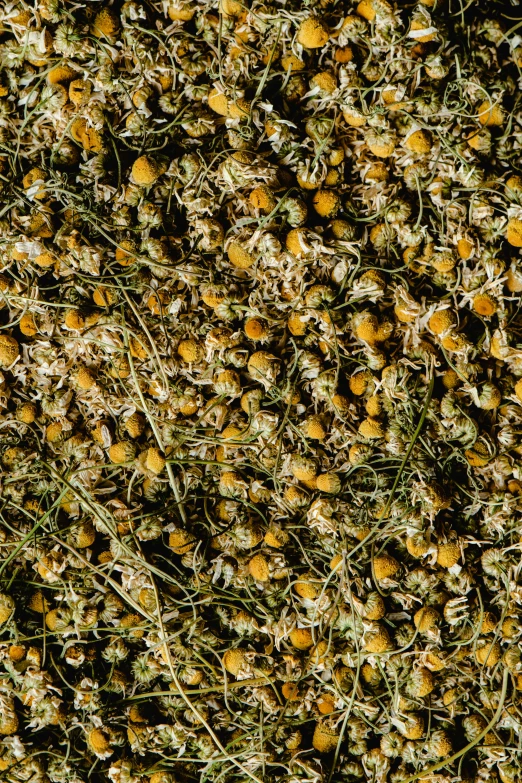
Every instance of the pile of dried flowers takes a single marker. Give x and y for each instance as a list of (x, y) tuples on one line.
[(261, 390)]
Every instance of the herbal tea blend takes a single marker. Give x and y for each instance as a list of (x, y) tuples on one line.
[(260, 391)]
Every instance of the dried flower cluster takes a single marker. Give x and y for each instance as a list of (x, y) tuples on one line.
[(260, 392)]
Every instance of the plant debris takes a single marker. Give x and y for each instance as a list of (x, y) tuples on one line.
[(260, 391)]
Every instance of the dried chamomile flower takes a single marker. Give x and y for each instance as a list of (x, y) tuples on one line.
[(260, 391)]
